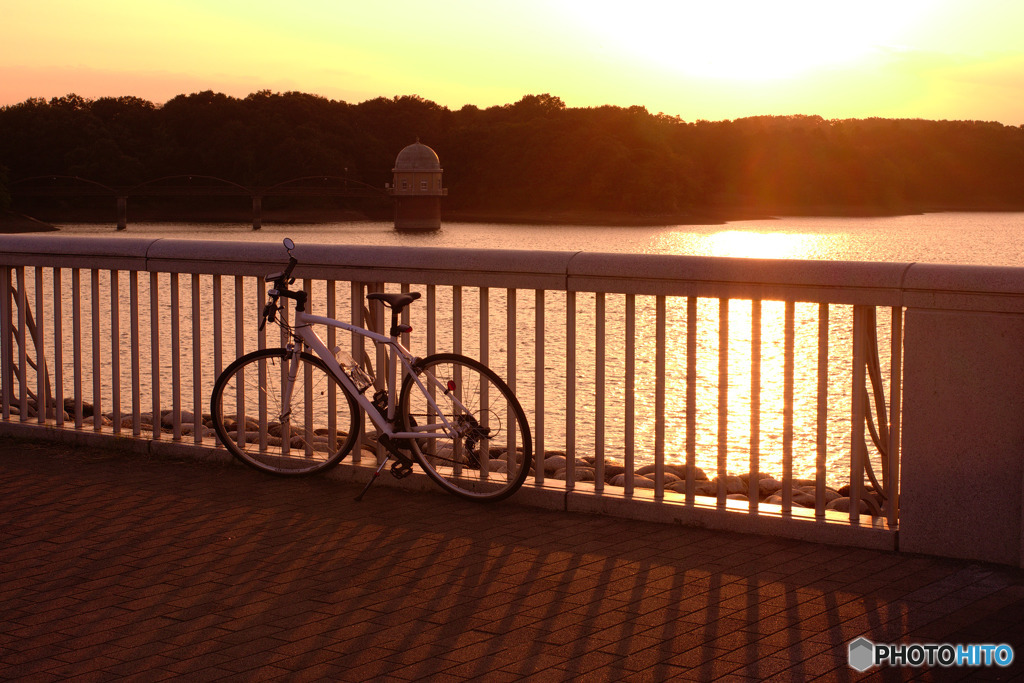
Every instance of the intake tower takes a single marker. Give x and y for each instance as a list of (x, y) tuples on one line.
[(417, 188)]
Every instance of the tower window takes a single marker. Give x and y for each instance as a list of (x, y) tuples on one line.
[(423, 185)]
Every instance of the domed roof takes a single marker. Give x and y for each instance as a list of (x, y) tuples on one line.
[(417, 157)]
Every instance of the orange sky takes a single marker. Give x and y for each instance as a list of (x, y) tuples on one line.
[(938, 59)]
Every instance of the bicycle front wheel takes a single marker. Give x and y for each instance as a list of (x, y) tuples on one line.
[(309, 434), (479, 445)]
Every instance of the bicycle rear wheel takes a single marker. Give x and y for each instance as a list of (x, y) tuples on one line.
[(311, 434), (487, 455)]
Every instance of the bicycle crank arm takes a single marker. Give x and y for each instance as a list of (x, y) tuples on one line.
[(392, 447), (400, 470)]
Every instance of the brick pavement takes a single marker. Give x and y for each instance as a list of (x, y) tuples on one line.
[(126, 567)]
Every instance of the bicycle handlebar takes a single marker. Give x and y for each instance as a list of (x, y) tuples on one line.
[(280, 289), (291, 266)]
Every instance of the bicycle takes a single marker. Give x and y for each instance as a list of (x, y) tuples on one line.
[(297, 410)]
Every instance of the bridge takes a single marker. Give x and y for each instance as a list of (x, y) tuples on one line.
[(194, 185)]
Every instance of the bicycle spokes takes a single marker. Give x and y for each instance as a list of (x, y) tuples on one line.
[(475, 440)]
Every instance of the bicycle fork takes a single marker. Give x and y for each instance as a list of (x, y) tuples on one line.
[(289, 384)]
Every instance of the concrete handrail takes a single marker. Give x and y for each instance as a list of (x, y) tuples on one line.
[(920, 285)]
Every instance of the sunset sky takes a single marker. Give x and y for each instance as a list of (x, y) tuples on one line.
[(720, 59)]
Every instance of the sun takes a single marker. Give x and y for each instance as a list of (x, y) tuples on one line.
[(745, 39)]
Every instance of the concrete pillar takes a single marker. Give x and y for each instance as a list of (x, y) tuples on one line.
[(122, 213), (417, 213), (962, 477)]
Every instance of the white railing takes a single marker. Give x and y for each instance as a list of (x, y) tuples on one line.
[(728, 392)]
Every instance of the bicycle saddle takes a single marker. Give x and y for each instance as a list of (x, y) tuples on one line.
[(396, 300)]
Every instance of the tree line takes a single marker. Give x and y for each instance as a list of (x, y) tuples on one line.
[(535, 155)]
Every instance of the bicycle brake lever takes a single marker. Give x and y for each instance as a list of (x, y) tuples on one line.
[(268, 314)]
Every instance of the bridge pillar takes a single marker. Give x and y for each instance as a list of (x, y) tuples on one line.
[(122, 213), (257, 212), (962, 454)]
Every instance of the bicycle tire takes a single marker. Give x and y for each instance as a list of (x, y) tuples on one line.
[(291, 441), (491, 457)]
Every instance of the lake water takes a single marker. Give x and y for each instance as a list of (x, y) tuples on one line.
[(953, 238), (966, 238)]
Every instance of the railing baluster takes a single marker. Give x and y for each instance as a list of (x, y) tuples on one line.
[(895, 410), (659, 399), (356, 348), (538, 399), (197, 362), (822, 426), (154, 354), (510, 368), (332, 387), (510, 338), (240, 316), (175, 361), (239, 352), (6, 346), (599, 386), (261, 343), (723, 399), (787, 411), (42, 394), (406, 339), (97, 375), (380, 323), (691, 399), (753, 485), (218, 329), (76, 325), (286, 431), (431, 320), (307, 385), (22, 346), (629, 418), (570, 390), (58, 348), (115, 352), (457, 319), (858, 455), (259, 292), (133, 296), (483, 325), (431, 342)]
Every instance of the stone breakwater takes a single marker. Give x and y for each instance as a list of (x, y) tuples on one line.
[(737, 487), (187, 421)]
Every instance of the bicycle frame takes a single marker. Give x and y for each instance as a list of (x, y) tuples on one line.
[(303, 330)]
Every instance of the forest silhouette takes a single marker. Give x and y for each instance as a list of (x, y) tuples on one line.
[(534, 158)]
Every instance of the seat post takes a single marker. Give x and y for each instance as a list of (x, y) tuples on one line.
[(397, 303)]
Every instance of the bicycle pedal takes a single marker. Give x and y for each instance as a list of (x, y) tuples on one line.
[(400, 470)]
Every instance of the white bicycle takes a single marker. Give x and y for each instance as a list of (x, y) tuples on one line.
[(297, 410)]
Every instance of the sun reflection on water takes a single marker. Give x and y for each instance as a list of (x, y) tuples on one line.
[(754, 400), (739, 243), (758, 244)]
